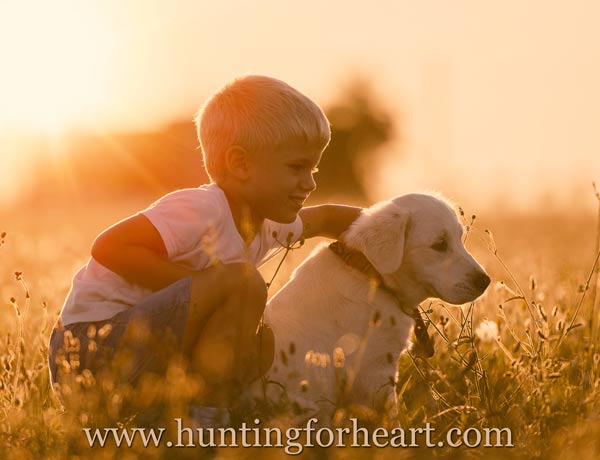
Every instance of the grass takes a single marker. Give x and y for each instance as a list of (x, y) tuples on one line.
[(525, 356)]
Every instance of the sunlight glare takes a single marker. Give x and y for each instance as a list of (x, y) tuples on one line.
[(58, 65)]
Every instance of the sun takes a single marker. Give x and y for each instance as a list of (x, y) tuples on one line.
[(57, 65)]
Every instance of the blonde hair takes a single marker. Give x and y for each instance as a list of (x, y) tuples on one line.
[(257, 113)]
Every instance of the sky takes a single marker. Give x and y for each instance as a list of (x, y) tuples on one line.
[(498, 102)]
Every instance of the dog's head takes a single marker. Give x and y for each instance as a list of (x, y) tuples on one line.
[(414, 241)]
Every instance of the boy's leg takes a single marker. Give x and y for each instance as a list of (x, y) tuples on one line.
[(212, 318), (220, 337)]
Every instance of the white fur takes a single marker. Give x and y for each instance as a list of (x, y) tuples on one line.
[(328, 305)]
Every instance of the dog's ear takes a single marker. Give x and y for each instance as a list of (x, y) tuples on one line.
[(379, 233)]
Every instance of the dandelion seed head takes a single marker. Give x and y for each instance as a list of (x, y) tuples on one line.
[(487, 331)]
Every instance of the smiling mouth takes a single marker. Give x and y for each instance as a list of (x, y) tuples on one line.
[(299, 201)]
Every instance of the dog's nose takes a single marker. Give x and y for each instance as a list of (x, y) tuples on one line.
[(480, 280)]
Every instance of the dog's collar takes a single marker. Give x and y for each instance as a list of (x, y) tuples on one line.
[(359, 261)]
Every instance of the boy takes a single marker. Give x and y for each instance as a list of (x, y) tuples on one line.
[(183, 270)]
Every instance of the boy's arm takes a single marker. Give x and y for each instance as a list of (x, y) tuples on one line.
[(328, 220), (134, 249)]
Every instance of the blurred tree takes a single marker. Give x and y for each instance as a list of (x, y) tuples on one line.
[(150, 164), (105, 166), (360, 126)]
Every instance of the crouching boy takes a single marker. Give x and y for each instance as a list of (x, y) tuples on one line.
[(179, 278)]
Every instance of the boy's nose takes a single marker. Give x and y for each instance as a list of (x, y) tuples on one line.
[(308, 183)]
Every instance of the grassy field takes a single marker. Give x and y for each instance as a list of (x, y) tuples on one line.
[(540, 377)]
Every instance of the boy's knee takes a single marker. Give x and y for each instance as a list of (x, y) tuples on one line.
[(257, 359), (224, 281), (245, 280)]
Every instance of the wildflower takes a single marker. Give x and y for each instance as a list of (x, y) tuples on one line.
[(308, 356), (315, 359), (324, 360), (339, 358), (487, 331), (91, 331), (104, 331)]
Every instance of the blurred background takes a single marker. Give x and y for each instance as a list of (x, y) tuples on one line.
[(494, 104)]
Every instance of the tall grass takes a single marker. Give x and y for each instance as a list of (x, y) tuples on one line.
[(525, 356)]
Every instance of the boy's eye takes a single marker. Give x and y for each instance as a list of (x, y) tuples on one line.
[(440, 246), (301, 167)]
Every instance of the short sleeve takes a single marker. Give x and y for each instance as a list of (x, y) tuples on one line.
[(183, 218)]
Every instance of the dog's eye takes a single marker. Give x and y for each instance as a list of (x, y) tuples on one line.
[(440, 246)]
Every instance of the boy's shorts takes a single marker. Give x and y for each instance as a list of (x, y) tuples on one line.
[(140, 339)]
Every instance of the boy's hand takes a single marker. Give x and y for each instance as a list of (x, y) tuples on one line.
[(328, 220), (134, 249)]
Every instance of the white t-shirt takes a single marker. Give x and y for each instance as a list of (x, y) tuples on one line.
[(198, 229)]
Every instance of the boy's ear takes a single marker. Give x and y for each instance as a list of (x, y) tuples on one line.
[(237, 162)]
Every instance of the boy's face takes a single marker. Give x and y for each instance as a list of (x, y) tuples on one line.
[(280, 181)]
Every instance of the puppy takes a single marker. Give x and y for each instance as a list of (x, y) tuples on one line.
[(345, 316)]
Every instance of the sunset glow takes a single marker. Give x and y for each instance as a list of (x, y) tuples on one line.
[(502, 98), (60, 64)]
